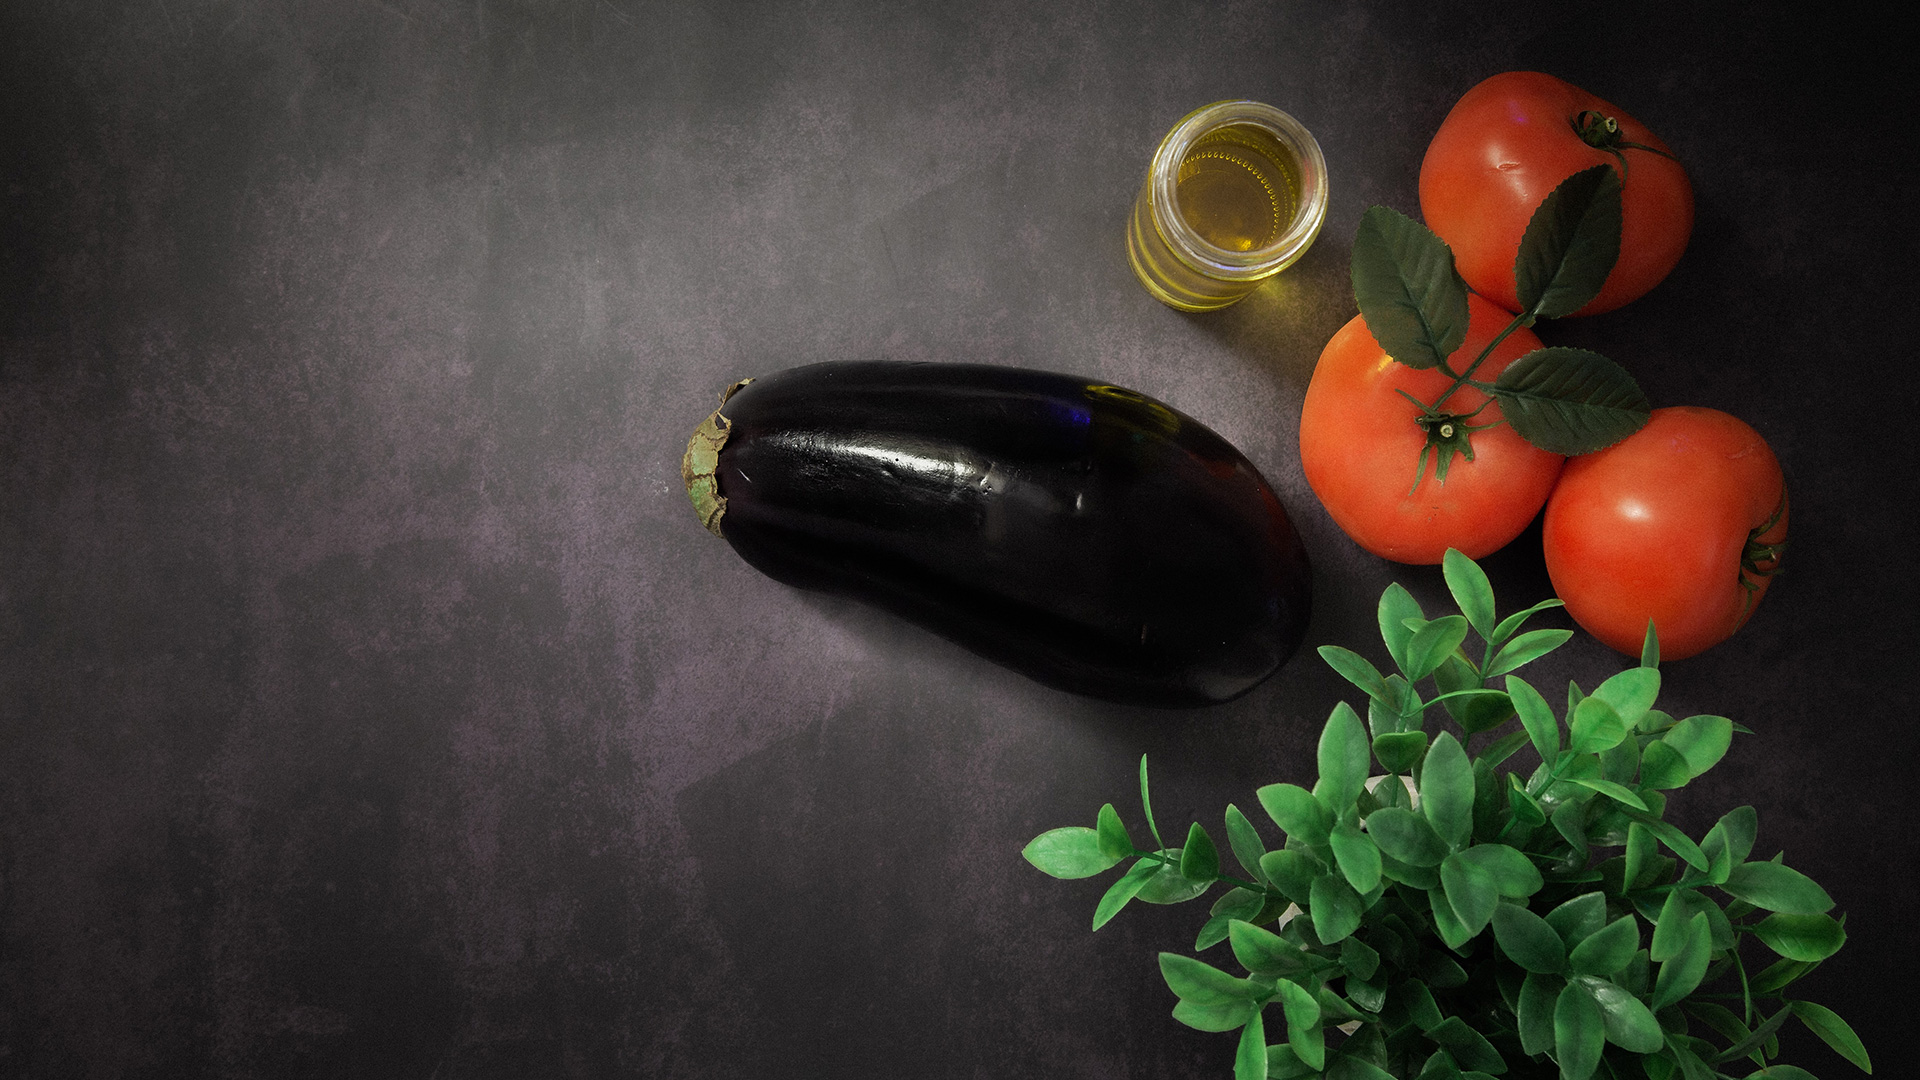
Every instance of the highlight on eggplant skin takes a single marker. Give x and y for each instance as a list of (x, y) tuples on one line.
[(1085, 535)]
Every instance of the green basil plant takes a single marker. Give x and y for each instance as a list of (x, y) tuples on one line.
[(1432, 915)]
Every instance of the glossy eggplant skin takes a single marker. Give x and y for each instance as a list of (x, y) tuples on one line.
[(1083, 534)]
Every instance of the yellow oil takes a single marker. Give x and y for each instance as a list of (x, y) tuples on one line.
[(1239, 188)]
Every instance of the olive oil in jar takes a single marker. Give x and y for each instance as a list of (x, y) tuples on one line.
[(1236, 192)]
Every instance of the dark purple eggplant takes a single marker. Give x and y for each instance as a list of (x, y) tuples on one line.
[(1085, 535)]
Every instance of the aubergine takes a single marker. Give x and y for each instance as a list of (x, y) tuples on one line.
[(1085, 535)]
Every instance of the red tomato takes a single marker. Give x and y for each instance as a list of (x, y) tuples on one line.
[(1681, 523), (1360, 446), (1504, 148)]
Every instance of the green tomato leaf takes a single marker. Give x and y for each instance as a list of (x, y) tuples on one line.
[(1114, 839), (1264, 952), (1533, 1013), (1471, 590), (1344, 755), (1827, 1024), (1446, 791), (1607, 950), (1680, 974), (1336, 908), (1244, 839), (1397, 606), (1399, 751), (1570, 245), (1801, 937), (1199, 859), (1359, 860), (1071, 852), (1570, 401), (1300, 815), (1123, 890), (1579, 1032), (1775, 887), (1356, 669), (1203, 984), (1525, 649), (1543, 728), (1528, 940), (1404, 280), (1629, 1024)]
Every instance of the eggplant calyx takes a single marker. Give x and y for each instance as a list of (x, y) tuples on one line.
[(702, 460)]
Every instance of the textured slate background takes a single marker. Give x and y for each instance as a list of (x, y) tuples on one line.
[(372, 705)]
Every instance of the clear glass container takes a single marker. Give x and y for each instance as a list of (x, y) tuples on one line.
[(1236, 192)]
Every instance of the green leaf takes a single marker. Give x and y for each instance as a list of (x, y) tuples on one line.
[(1571, 244), (1264, 952), (1114, 839), (1244, 839), (1347, 1067), (1471, 891), (1284, 1064), (1336, 908), (1596, 726), (1399, 751), (1354, 852), (1292, 872), (1631, 693), (1675, 840), (1781, 1071), (1779, 976), (1070, 852), (1579, 1032), (1607, 950), (1662, 767), (1580, 918), (1639, 850), (1471, 590), (1359, 958), (1300, 815), (1406, 836), (1467, 1046), (1344, 755), (1740, 825), (1397, 605), (1203, 984), (1682, 973), (1526, 809), (1629, 1024), (1801, 937), (1432, 643), (1650, 647), (1827, 1024), (1670, 929), (1525, 649), (1543, 728), (1146, 805), (1617, 792), (1199, 859), (1123, 890), (1170, 886), (1227, 1017), (1512, 873), (1528, 940), (1446, 791), (1303, 1023), (1701, 741), (1570, 401), (1250, 1056), (1498, 751), (1404, 281), (1356, 669), (1533, 1013), (1775, 887), (1513, 622)]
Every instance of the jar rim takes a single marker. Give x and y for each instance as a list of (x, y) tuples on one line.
[(1186, 241)]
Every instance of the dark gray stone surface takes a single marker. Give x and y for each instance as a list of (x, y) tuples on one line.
[(372, 704)]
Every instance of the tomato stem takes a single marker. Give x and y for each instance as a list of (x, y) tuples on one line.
[(1758, 560), (1602, 132)]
